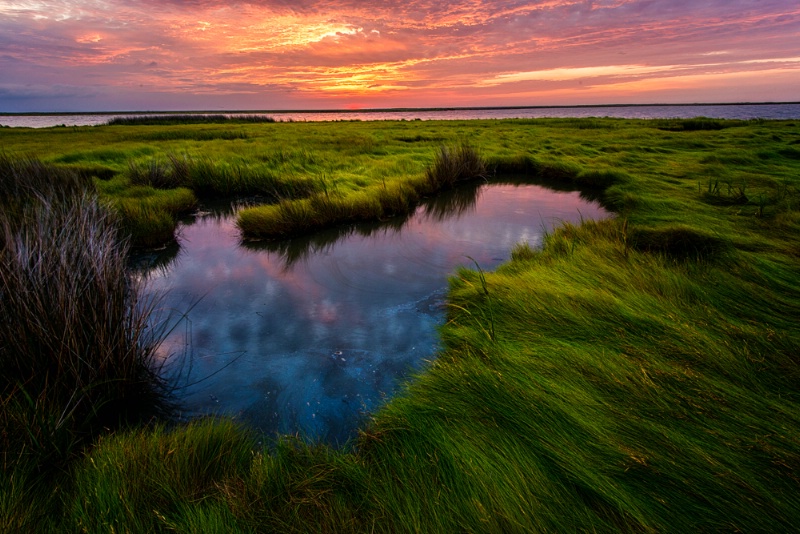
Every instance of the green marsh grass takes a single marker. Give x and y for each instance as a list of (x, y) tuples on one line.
[(641, 374), (147, 215), (695, 124), (451, 165), (180, 476), (290, 218), (27, 177)]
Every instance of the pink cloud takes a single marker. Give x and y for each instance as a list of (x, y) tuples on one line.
[(334, 53)]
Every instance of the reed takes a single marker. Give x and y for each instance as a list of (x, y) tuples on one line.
[(76, 350), (23, 178), (454, 164), (154, 173), (179, 119)]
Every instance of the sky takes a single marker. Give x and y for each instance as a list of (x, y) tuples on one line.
[(119, 55)]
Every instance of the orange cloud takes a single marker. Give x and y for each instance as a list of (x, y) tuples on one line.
[(324, 52)]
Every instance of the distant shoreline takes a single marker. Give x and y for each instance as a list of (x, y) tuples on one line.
[(376, 110)]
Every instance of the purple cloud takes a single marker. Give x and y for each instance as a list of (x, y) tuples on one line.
[(334, 52)]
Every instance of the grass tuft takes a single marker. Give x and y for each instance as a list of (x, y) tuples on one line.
[(154, 173), (76, 350), (24, 178), (454, 164)]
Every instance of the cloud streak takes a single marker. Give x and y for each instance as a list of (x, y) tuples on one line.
[(342, 53)]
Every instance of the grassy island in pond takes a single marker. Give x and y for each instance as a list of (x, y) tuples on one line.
[(635, 374)]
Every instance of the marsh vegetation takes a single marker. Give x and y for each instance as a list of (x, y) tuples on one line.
[(308, 335), (634, 374), (75, 343)]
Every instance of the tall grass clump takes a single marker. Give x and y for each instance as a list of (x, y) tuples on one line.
[(155, 173), (454, 164), (23, 178), (173, 173), (187, 118), (146, 225), (76, 350), (147, 215)]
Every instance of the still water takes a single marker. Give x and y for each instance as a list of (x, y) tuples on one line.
[(310, 335), (716, 111)]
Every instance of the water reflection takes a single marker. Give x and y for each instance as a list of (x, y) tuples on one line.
[(300, 248), (453, 204), (310, 334), (449, 205)]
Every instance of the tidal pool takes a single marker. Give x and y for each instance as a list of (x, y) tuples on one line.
[(311, 335)]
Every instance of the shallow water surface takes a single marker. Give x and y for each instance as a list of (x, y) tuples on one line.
[(310, 335), (679, 111)]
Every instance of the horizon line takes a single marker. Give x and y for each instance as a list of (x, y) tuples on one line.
[(387, 110)]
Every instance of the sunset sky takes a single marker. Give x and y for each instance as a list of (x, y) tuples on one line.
[(98, 55)]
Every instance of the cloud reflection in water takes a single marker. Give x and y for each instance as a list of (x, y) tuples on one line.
[(309, 335)]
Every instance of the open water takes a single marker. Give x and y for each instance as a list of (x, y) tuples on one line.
[(311, 335), (717, 111)]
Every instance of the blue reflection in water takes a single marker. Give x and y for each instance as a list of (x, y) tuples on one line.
[(310, 335)]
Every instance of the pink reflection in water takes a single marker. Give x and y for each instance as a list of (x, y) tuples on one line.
[(306, 335)]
